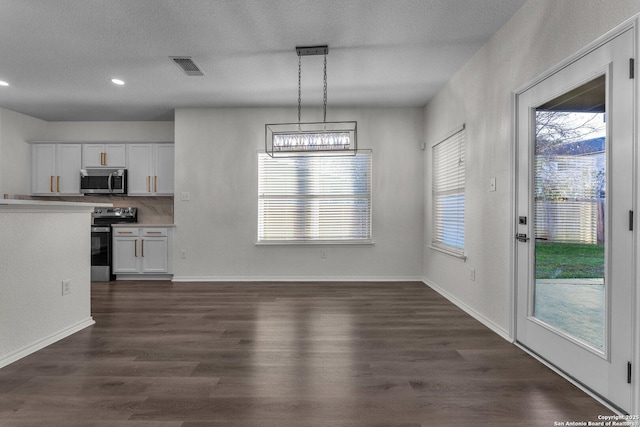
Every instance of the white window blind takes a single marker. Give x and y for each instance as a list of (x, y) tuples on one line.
[(448, 186), (314, 199)]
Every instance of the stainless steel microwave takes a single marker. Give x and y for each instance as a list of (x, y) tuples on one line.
[(103, 181)]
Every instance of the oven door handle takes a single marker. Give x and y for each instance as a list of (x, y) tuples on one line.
[(100, 229)]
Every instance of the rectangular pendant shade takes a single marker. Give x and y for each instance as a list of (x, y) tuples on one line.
[(311, 139)]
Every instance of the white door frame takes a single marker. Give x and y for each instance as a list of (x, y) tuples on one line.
[(631, 24)]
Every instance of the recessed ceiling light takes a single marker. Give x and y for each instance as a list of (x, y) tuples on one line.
[(117, 82), (3, 83)]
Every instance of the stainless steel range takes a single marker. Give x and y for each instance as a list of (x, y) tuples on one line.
[(101, 252)]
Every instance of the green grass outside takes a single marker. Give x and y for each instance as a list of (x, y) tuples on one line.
[(569, 261)]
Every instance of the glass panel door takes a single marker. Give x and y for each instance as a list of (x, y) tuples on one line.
[(570, 205), (574, 256)]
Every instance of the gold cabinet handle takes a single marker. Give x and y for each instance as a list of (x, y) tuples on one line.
[(142, 248), (51, 184), (58, 184), (124, 232), (135, 248), (102, 162), (155, 184), (105, 158), (148, 184), (154, 232)]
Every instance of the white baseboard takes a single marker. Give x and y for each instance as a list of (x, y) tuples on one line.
[(144, 276), (471, 312), (42, 343), (297, 279)]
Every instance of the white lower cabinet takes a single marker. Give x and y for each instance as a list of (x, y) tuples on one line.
[(155, 254), (125, 251), (145, 251)]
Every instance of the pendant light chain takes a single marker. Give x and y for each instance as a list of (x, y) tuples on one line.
[(325, 90), (299, 87)]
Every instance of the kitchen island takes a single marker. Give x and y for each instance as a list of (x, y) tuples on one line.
[(45, 268)]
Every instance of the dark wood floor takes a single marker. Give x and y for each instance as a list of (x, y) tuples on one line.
[(283, 354)]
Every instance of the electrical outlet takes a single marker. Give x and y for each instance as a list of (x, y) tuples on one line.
[(472, 274), (492, 184), (66, 287), (184, 196), (183, 254), (323, 253)]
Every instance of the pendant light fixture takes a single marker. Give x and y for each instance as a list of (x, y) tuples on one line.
[(311, 138)]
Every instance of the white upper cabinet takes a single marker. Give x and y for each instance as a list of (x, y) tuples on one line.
[(140, 169), (55, 169), (55, 166), (43, 169), (150, 169), (104, 155), (164, 168)]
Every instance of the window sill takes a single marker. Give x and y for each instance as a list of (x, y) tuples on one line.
[(462, 258), (313, 242)]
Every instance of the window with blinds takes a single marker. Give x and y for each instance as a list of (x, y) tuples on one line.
[(448, 186), (314, 199)]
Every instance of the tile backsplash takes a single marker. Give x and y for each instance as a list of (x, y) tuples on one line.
[(151, 210)]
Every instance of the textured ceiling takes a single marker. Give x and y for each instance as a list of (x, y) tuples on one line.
[(58, 55)]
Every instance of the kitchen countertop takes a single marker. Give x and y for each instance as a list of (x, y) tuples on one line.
[(51, 205)]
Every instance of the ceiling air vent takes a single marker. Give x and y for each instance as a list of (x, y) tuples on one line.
[(187, 65)]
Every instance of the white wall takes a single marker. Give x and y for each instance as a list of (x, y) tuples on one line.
[(216, 163), (41, 246), (109, 131), (15, 155), (542, 34)]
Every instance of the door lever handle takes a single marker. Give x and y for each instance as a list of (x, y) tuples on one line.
[(521, 237)]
